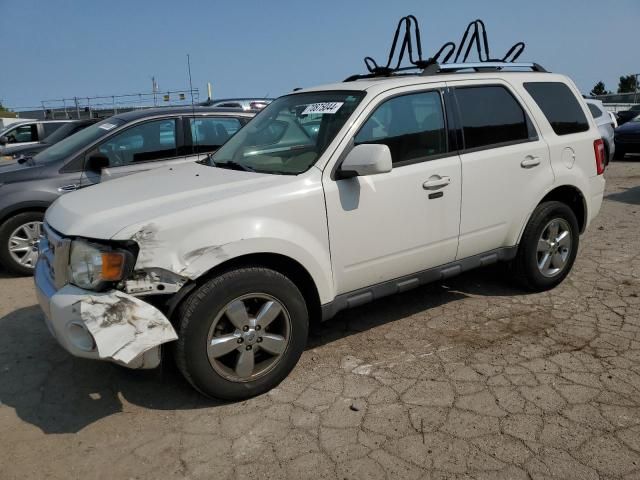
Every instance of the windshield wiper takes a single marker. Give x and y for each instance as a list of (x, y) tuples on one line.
[(232, 165)]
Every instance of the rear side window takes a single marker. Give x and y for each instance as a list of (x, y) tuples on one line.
[(490, 116), (559, 105), (595, 111), (412, 126), (49, 128), (209, 134)]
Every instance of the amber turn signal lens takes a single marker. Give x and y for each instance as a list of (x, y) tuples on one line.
[(112, 266)]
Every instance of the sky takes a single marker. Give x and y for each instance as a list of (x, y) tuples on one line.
[(57, 48)]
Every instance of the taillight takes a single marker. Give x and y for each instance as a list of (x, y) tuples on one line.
[(598, 147)]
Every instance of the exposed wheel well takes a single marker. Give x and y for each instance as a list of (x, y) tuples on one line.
[(280, 263), (573, 198)]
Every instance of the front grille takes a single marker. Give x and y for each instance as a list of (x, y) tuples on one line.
[(54, 249)]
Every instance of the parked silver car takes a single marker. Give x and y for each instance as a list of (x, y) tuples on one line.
[(28, 132), (605, 126), (246, 104)]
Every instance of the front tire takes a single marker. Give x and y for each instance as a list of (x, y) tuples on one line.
[(19, 238), (548, 247), (241, 333)]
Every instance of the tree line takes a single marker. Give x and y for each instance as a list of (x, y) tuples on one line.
[(626, 84)]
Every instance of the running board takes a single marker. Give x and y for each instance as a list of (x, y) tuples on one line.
[(409, 282)]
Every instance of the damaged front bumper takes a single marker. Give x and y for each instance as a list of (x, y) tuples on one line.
[(111, 326)]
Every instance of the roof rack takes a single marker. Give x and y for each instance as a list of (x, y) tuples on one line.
[(474, 34), (487, 66)]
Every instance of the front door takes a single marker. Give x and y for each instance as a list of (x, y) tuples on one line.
[(389, 225)]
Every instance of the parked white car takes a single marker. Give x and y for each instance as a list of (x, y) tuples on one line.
[(605, 125), (287, 224)]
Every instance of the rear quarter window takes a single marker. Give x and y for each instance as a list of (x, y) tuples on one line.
[(595, 111), (559, 105)]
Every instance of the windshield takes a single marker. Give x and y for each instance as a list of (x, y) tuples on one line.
[(70, 145), (290, 134)]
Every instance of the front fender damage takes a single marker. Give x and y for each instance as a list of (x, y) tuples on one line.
[(124, 327)]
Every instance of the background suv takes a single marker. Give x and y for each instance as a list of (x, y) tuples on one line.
[(13, 152), (605, 126), (31, 131), (121, 145)]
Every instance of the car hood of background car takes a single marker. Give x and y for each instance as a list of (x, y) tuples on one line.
[(103, 210), (16, 171)]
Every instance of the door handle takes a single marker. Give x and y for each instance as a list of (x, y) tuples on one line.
[(436, 182), (530, 162), (68, 188)]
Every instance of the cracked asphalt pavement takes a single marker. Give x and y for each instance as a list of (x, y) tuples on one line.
[(471, 378)]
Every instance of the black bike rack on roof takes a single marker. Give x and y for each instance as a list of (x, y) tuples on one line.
[(474, 34)]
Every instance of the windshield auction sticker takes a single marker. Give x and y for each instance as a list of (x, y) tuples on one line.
[(323, 108), (107, 126)]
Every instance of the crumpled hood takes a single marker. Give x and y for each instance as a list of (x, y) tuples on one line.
[(103, 210)]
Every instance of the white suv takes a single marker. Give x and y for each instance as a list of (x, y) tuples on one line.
[(331, 197)]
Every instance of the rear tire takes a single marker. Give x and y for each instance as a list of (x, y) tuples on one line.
[(548, 247), (19, 237), (241, 333)]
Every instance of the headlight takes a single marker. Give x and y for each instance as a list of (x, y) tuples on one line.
[(94, 266)]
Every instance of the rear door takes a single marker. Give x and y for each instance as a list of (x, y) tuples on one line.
[(505, 165), (143, 146)]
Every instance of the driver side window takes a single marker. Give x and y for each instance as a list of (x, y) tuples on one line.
[(412, 126), (23, 133), (145, 142)]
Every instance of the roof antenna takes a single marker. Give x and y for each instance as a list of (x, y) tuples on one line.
[(193, 107)]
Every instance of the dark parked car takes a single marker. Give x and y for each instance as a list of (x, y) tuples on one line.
[(626, 115), (30, 149), (120, 145), (627, 138)]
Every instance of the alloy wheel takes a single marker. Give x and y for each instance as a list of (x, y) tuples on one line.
[(248, 337), (554, 247), (23, 244)]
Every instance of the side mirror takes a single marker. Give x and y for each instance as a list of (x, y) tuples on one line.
[(4, 140), (366, 159), (95, 162)]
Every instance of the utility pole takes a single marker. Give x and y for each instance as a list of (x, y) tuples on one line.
[(154, 89), (635, 94)]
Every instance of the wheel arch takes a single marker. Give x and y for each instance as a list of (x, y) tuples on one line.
[(283, 264), (571, 196), (7, 213)]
